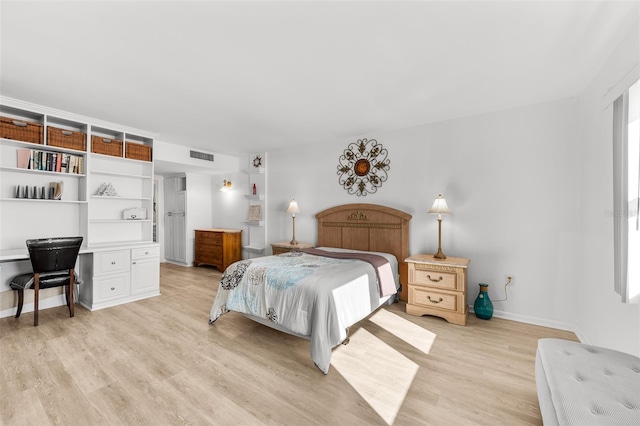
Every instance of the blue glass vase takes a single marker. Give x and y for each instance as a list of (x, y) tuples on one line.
[(483, 306)]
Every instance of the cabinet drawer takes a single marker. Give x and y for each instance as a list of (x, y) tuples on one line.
[(111, 287), (422, 296), (111, 262), (144, 252), (208, 238), (421, 275)]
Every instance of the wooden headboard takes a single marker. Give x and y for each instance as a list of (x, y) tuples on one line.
[(367, 227)]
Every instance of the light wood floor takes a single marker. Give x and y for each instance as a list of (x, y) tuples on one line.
[(159, 362)]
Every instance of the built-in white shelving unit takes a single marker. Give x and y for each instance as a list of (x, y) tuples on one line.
[(119, 262), (256, 227), (80, 211)]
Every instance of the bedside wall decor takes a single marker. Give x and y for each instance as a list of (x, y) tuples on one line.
[(363, 167), (255, 213)]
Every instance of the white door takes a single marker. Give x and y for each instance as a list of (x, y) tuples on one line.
[(175, 242)]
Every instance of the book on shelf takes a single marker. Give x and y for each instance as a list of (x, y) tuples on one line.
[(50, 161), (24, 158)]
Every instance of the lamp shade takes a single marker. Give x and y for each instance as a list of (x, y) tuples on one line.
[(439, 206), (293, 207)]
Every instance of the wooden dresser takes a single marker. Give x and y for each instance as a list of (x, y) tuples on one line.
[(218, 247), (438, 287)]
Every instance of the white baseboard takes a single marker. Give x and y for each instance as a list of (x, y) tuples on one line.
[(539, 321), (49, 302)]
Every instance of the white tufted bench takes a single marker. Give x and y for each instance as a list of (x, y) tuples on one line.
[(581, 384)]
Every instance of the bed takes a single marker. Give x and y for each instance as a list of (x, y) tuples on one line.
[(318, 294)]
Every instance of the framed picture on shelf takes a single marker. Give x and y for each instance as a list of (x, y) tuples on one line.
[(255, 213)]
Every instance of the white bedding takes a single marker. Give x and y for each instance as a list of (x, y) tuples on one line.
[(309, 296)]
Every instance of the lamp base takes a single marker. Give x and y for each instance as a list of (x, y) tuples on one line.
[(293, 242), (439, 254)]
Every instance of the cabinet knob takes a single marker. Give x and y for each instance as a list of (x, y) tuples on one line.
[(113, 288), (133, 263), (146, 252), (113, 263)]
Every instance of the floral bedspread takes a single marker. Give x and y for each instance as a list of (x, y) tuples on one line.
[(301, 294)]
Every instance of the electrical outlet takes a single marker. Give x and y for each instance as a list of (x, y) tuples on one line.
[(509, 279)]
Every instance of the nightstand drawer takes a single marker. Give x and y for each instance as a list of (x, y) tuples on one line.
[(434, 299), (433, 278)]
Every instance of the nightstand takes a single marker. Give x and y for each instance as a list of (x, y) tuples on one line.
[(285, 247), (438, 287)]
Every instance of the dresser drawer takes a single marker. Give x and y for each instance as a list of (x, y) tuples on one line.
[(145, 252), (433, 278), (209, 259), (214, 238), (422, 296), (205, 249), (111, 262)]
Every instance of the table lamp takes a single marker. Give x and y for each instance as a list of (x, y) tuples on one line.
[(293, 209), (440, 207)]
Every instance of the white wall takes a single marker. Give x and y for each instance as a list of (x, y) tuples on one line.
[(601, 316), (200, 193), (528, 187), (512, 180)]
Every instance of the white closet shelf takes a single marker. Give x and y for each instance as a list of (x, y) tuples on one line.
[(104, 172), (40, 200), (119, 220), (44, 172)]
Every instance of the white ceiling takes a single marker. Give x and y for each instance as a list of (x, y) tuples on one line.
[(240, 77)]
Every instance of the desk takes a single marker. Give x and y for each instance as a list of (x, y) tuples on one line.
[(139, 276)]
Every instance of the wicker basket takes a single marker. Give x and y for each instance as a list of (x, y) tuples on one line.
[(106, 146), (66, 139), (137, 151), (20, 130)]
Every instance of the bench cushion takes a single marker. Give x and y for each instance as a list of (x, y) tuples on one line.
[(581, 384)]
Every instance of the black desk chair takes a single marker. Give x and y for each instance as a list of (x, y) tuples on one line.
[(53, 261)]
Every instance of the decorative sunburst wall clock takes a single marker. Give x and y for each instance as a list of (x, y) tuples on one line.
[(363, 167)]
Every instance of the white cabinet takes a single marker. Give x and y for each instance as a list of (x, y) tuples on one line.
[(130, 186), (119, 276), (145, 270)]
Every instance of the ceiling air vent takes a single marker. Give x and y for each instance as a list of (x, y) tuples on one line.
[(201, 155)]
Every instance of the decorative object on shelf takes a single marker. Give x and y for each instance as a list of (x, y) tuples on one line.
[(257, 161), (255, 213), (254, 190), (226, 186), (440, 207), (107, 190), (134, 213), (483, 306), (293, 209), (55, 190), (363, 167)]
